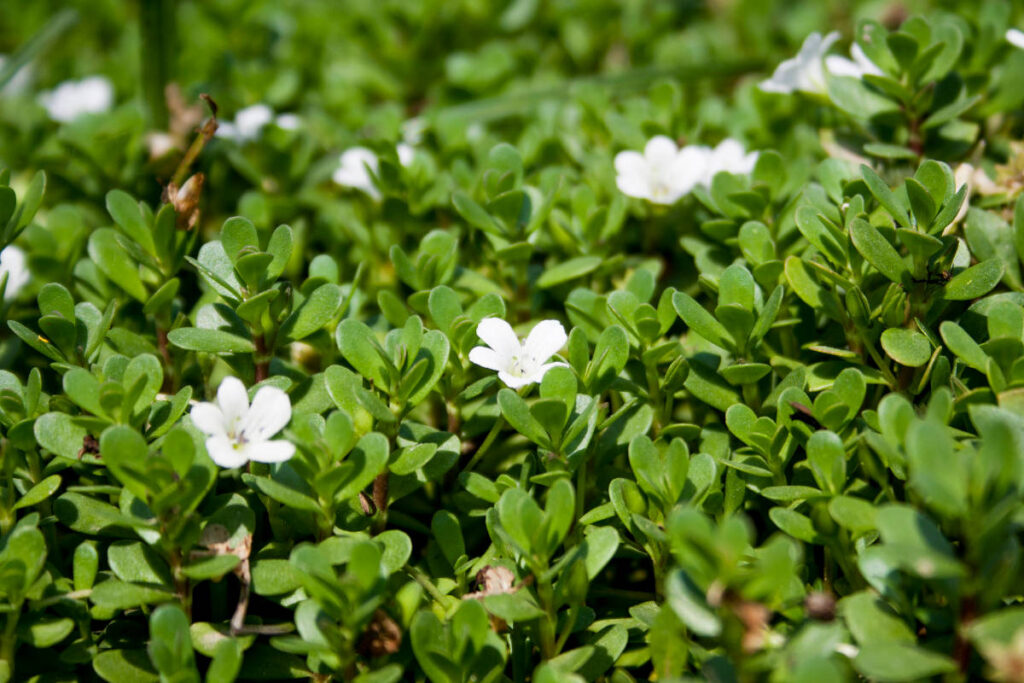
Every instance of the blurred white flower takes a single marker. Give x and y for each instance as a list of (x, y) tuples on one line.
[(805, 71), (237, 432), (71, 99), (663, 173), (288, 121), (354, 170), (1015, 37), (518, 363), (14, 264), (413, 129), (977, 182), (728, 156), (405, 153), (858, 67), (247, 124)]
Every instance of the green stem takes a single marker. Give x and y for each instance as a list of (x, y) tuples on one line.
[(156, 24), (10, 638), (423, 580), (499, 423), (546, 624)]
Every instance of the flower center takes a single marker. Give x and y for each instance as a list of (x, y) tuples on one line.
[(522, 365)]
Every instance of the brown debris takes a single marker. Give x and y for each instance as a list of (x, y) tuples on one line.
[(90, 446), (820, 605), (381, 637)]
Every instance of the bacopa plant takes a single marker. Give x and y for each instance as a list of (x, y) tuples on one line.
[(528, 342)]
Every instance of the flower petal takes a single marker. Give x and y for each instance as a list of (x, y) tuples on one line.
[(513, 382), (545, 339), (660, 151), (841, 66), (233, 400), (499, 335), (270, 451), (271, 410), (487, 358), (543, 370), (1015, 37), (208, 419), (224, 452), (632, 177)]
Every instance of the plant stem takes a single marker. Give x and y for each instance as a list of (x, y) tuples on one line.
[(156, 24), (423, 580), (491, 436)]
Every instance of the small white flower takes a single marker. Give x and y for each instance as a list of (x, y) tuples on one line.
[(237, 432), (858, 67), (731, 157), (663, 173), (354, 170), (13, 263), (518, 363), (805, 71), (413, 129), (247, 124), (71, 99), (1015, 37), (288, 121), (406, 153)]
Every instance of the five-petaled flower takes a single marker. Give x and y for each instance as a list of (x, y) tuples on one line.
[(518, 363), (663, 173), (237, 432), (72, 99), (804, 72), (729, 156)]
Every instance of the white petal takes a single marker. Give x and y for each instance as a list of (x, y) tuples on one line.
[(513, 382), (545, 339), (1015, 37), (227, 130), (487, 358), (660, 151), (499, 335), (250, 121), (691, 167), (224, 452), (543, 370), (208, 419), (632, 174), (841, 66), (863, 61), (233, 401), (271, 410), (785, 79), (270, 451), (288, 121), (406, 153), (13, 262)]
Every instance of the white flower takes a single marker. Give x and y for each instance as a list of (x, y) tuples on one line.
[(805, 71), (663, 173), (13, 263), (237, 432), (858, 67), (728, 156), (354, 170), (405, 153), (1015, 37), (518, 363), (413, 129), (247, 124), (71, 99), (288, 121)]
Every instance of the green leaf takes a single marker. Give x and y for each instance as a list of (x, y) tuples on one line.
[(974, 282), (209, 341), (113, 259), (690, 605), (125, 211), (568, 270), (906, 347), (117, 595), (877, 251), (697, 318), (316, 311), (40, 492), (896, 661)]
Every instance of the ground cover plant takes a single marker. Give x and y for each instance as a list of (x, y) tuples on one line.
[(458, 340)]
